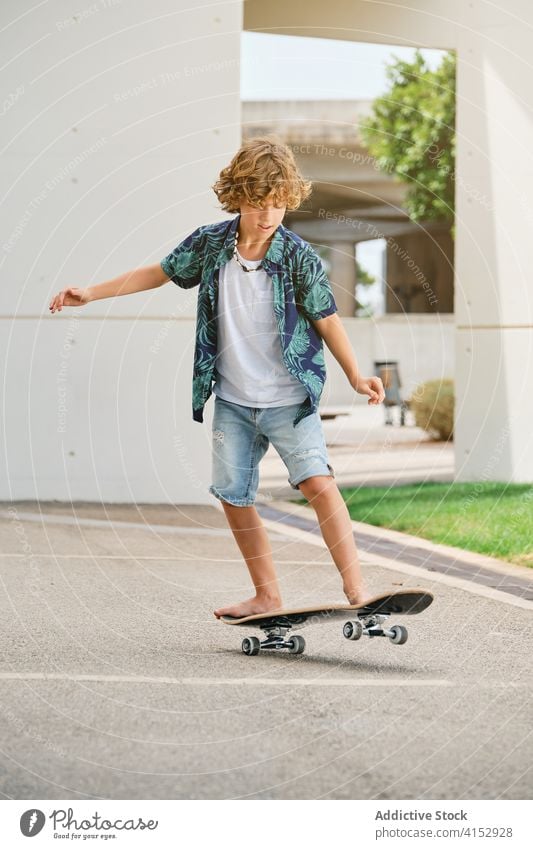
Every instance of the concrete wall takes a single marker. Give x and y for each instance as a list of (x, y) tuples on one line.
[(423, 346), (119, 121)]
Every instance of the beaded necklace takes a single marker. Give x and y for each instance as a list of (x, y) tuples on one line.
[(238, 259)]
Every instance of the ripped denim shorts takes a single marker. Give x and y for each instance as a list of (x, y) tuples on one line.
[(241, 436)]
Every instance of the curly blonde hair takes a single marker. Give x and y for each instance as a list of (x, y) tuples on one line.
[(262, 167)]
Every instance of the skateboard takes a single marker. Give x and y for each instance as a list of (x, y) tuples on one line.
[(367, 619)]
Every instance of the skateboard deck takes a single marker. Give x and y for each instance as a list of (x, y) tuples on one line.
[(363, 619)]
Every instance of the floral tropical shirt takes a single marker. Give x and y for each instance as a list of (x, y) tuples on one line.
[(302, 292)]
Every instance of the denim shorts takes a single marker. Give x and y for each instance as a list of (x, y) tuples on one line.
[(241, 436)]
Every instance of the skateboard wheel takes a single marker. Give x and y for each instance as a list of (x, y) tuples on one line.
[(353, 630), (251, 645), (398, 635), (296, 644)]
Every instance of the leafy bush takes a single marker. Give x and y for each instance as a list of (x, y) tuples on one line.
[(432, 406)]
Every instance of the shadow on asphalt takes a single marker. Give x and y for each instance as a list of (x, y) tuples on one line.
[(266, 658)]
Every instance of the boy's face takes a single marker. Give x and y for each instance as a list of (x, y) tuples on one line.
[(264, 219)]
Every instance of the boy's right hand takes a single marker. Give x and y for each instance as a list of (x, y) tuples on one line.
[(71, 297)]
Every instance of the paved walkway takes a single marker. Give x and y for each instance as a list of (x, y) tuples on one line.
[(118, 682)]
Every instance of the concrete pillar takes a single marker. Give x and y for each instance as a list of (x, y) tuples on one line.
[(494, 246), (419, 272), (343, 276)]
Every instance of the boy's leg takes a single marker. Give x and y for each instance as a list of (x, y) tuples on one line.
[(252, 539), (238, 447), (334, 519), (304, 452)]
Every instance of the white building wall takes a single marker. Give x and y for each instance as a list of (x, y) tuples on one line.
[(120, 119), (422, 345)]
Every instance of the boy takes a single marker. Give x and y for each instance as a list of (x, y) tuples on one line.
[(264, 306)]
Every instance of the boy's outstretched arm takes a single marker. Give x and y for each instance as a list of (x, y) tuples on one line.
[(138, 280), (332, 331)]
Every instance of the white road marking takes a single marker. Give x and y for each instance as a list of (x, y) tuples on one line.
[(14, 555), (233, 682)]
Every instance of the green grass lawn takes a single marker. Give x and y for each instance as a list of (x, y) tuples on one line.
[(490, 518)]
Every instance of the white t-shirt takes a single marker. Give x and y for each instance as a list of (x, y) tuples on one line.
[(249, 367)]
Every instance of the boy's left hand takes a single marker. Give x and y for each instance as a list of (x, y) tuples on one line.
[(372, 386)]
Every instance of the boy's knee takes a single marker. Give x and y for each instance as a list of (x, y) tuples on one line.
[(316, 486)]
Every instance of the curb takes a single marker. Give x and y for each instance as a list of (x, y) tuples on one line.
[(408, 540), (473, 584)]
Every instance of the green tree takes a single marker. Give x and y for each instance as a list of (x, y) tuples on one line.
[(411, 135), (364, 278)]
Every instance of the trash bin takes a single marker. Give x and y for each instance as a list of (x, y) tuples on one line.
[(389, 373)]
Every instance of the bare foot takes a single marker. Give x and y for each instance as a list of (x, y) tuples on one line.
[(358, 595), (249, 607)]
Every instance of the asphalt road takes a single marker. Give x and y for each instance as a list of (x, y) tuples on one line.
[(117, 682)]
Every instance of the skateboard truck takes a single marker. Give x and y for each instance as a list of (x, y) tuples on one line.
[(371, 625), (276, 631), (275, 638)]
